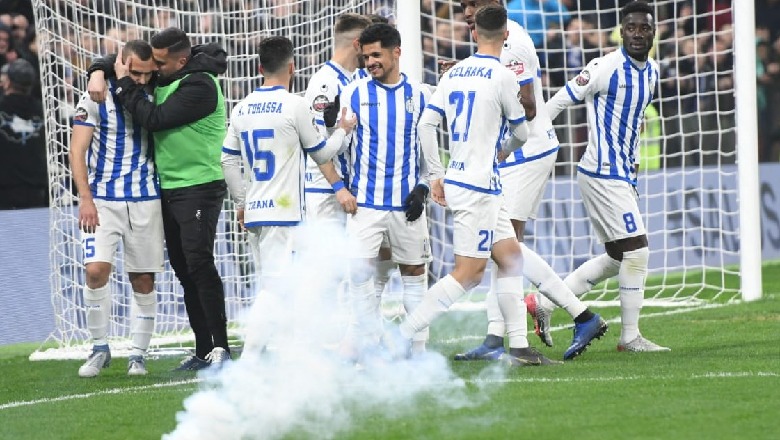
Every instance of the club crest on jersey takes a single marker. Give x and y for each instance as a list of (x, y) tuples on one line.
[(583, 78), (320, 103), (81, 114), (517, 67), (409, 105)]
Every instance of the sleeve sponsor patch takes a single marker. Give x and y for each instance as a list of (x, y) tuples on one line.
[(517, 67), (583, 78), (80, 115), (320, 103)]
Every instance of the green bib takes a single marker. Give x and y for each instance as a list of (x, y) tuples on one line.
[(191, 154)]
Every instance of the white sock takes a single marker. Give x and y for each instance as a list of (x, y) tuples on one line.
[(365, 316), (633, 271), (414, 291), (550, 285), (510, 300), (438, 299), (496, 325), (590, 273), (382, 272), (98, 304), (143, 310)]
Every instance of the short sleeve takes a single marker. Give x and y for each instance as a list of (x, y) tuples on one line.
[(436, 100), (311, 140), (582, 85), (520, 59), (86, 112), (320, 93), (510, 99)]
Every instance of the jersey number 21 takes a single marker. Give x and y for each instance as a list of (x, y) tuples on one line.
[(460, 100)]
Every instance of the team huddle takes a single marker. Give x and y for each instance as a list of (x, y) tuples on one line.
[(361, 151)]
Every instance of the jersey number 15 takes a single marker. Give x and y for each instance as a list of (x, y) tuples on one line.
[(262, 162)]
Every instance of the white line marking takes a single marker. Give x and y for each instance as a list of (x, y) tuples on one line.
[(710, 375), (503, 380), (97, 393)]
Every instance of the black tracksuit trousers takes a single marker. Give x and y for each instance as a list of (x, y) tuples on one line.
[(190, 216)]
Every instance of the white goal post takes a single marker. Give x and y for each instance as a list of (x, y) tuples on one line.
[(700, 202)]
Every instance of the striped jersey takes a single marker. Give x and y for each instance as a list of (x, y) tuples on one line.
[(119, 160), (616, 92), (478, 96), (519, 55), (360, 73), (271, 129), (323, 88), (385, 149)]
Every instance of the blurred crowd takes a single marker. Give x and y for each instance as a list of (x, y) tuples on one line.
[(692, 118), (690, 123)]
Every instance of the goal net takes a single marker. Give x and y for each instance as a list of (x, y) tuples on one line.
[(687, 186), (70, 35), (688, 179)]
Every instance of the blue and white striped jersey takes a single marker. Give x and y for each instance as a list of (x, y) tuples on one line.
[(360, 73), (322, 89), (271, 129), (385, 149), (478, 96), (119, 159), (616, 92), (519, 55)]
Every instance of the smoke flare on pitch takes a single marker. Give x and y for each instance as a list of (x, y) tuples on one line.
[(290, 379)]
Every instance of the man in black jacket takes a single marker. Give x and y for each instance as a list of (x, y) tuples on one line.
[(24, 181), (187, 116)]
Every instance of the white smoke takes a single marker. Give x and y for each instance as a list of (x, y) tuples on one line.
[(290, 380)]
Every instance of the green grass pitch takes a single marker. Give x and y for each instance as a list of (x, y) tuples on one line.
[(720, 381)]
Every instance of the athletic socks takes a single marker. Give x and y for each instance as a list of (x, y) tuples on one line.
[(143, 311), (382, 272), (438, 299), (98, 304), (550, 285), (366, 323), (496, 325), (414, 291), (513, 309), (591, 273), (631, 279)]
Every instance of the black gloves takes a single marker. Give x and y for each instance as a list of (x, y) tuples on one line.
[(331, 113), (414, 204)]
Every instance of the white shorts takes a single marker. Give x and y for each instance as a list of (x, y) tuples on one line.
[(272, 247), (323, 206), (139, 226), (409, 243), (479, 220), (612, 207), (523, 186)]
